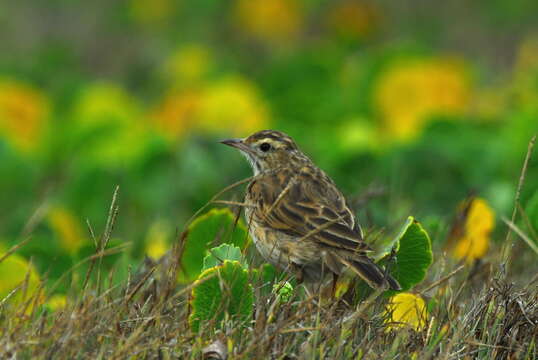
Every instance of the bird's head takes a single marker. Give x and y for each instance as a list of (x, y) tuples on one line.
[(267, 150)]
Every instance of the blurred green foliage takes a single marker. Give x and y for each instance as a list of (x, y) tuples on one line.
[(136, 93)]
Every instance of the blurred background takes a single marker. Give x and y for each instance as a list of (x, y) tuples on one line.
[(409, 105)]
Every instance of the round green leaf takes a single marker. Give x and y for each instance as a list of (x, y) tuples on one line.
[(221, 290), (218, 254), (217, 224), (413, 255)]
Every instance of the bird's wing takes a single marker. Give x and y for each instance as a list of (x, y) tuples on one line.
[(307, 204)]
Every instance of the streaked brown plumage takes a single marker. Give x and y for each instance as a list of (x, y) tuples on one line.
[(298, 218)]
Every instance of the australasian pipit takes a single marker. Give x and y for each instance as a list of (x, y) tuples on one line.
[(298, 218)]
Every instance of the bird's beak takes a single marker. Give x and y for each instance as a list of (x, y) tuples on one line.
[(236, 143), (232, 142)]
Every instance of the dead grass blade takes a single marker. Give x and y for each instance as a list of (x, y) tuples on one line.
[(14, 248), (507, 245), (103, 241), (521, 234)]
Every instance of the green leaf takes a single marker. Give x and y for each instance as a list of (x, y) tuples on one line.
[(413, 255), (221, 290), (218, 254), (269, 273), (264, 277), (217, 224), (284, 291)]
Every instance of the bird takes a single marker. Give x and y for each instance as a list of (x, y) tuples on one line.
[(297, 217)]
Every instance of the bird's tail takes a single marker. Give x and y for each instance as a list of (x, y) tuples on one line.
[(373, 274)]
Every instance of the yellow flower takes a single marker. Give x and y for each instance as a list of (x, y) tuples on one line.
[(354, 19), (67, 228), (473, 241), (152, 12), (156, 240), (56, 302), (13, 272), (104, 103), (23, 114), (112, 122), (176, 114), (411, 91), (232, 105), (274, 21), (188, 64), (406, 310)]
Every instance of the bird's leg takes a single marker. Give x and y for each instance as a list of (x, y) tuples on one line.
[(335, 281), (299, 273), (300, 278)]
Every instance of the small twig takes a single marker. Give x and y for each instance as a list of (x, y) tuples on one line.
[(528, 222), (35, 219), (103, 241), (521, 234), (214, 198), (14, 248), (282, 194), (320, 228), (111, 219), (92, 233), (236, 203), (10, 294), (287, 331), (443, 279), (177, 253), (476, 343), (138, 286)]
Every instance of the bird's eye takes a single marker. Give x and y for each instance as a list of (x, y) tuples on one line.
[(265, 147)]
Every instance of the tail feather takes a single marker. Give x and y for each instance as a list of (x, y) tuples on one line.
[(373, 274)]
